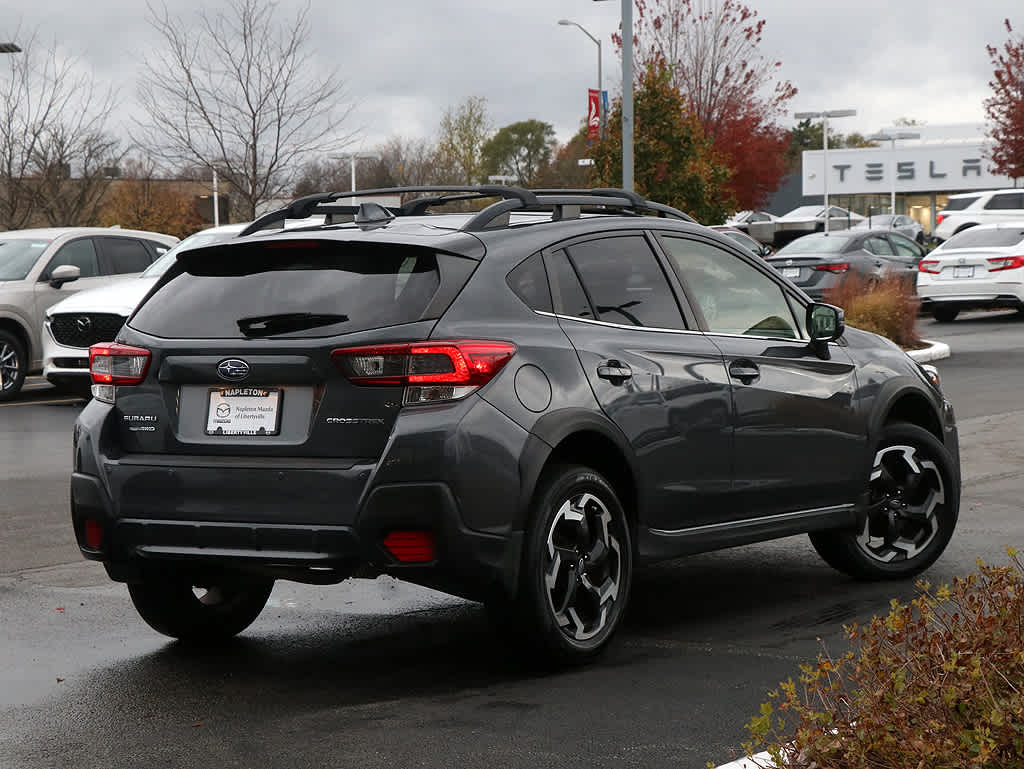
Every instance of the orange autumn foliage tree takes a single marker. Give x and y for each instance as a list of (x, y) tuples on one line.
[(149, 204)]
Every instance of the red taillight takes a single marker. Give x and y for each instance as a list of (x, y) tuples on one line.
[(995, 264), (118, 364), (839, 268), (930, 266), (411, 546), (939, 218), (430, 371), (93, 534)]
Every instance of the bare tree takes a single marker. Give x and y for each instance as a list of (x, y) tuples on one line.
[(238, 91), (54, 146), (464, 130)]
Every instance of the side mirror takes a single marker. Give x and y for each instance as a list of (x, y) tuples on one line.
[(66, 273), (825, 323), (767, 250)]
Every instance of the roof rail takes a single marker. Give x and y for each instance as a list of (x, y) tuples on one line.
[(563, 203)]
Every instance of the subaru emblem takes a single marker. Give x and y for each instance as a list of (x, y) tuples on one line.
[(233, 369)]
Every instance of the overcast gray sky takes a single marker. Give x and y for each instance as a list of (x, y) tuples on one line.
[(406, 60)]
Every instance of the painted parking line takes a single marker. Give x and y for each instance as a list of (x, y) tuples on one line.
[(41, 403)]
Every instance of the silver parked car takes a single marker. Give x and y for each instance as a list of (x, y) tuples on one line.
[(900, 223), (39, 268), (805, 219)]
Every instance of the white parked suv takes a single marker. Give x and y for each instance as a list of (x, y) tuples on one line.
[(978, 268), (92, 317), (970, 209), (39, 268)]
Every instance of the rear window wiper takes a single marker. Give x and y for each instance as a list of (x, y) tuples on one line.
[(282, 323)]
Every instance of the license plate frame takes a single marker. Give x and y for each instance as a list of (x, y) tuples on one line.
[(963, 271), (791, 272), (235, 412)]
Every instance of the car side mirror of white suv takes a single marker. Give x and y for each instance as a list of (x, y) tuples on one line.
[(66, 273)]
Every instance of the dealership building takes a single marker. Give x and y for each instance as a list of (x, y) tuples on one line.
[(924, 172)]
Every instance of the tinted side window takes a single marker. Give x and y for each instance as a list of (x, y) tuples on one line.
[(569, 297), (1007, 201), (159, 249), (959, 204), (529, 282), (124, 255), (81, 253), (735, 297), (905, 246), (625, 283), (878, 246)]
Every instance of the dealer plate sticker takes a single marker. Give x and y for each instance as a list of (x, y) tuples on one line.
[(243, 411)]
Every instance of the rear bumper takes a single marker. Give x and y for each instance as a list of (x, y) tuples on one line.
[(309, 520)]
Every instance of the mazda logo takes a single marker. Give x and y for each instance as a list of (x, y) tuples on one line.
[(83, 324), (233, 369)]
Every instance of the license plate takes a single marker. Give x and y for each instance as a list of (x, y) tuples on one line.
[(243, 411), (791, 272), (963, 271)]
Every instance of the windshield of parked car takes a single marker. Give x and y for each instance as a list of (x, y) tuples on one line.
[(978, 238), (816, 243), (159, 267), (18, 255), (809, 212)]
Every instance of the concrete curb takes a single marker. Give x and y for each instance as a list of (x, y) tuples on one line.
[(746, 763), (934, 351)]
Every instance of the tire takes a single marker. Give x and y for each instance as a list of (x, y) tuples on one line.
[(13, 365), (576, 572), (945, 314), (913, 508), (170, 605)]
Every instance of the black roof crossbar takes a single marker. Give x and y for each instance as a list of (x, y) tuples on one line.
[(563, 204), (307, 206)]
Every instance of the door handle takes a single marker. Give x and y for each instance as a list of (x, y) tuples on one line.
[(744, 370), (614, 371)]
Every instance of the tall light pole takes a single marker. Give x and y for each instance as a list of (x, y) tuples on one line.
[(627, 94), (353, 157), (884, 137), (825, 115), (600, 80)]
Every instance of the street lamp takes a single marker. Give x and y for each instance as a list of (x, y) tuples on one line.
[(884, 137), (627, 94), (600, 80), (353, 157), (825, 115)]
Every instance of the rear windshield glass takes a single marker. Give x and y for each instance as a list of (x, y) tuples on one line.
[(818, 243), (958, 204), (204, 238), (18, 255), (975, 238), (289, 289)]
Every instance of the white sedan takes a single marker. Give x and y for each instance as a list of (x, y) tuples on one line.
[(978, 268)]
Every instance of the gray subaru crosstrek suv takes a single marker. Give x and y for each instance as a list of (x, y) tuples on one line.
[(518, 405)]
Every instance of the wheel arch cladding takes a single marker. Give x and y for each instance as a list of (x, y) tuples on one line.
[(20, 333), (597, 451), (914, 408)]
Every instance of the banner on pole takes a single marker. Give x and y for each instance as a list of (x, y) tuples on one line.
[(593, 115)]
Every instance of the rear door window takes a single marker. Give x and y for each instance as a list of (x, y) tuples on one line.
[(879, 246), (1006, 201), (959, 204), (124, 255), (296, 289), (625, 283)]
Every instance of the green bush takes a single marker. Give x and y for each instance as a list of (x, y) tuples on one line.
[(888, 307), (936, 684)]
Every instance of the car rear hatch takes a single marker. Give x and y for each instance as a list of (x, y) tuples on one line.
[(242, 342)]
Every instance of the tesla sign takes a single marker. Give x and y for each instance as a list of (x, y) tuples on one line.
[(923, 168)]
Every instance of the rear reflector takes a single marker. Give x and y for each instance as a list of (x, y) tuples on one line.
[(998, 263), (929, 265), (838, 268), (939, 218), (411, 546), (93, 534), (430, 371)]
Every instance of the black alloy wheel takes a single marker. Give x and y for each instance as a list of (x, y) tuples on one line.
[(212, 611), (577, 567), (13, 366), (911, 511)]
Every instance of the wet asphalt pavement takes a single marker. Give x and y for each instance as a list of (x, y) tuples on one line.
[(380, 674)]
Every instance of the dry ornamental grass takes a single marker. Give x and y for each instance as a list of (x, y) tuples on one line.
[(888, 307)]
